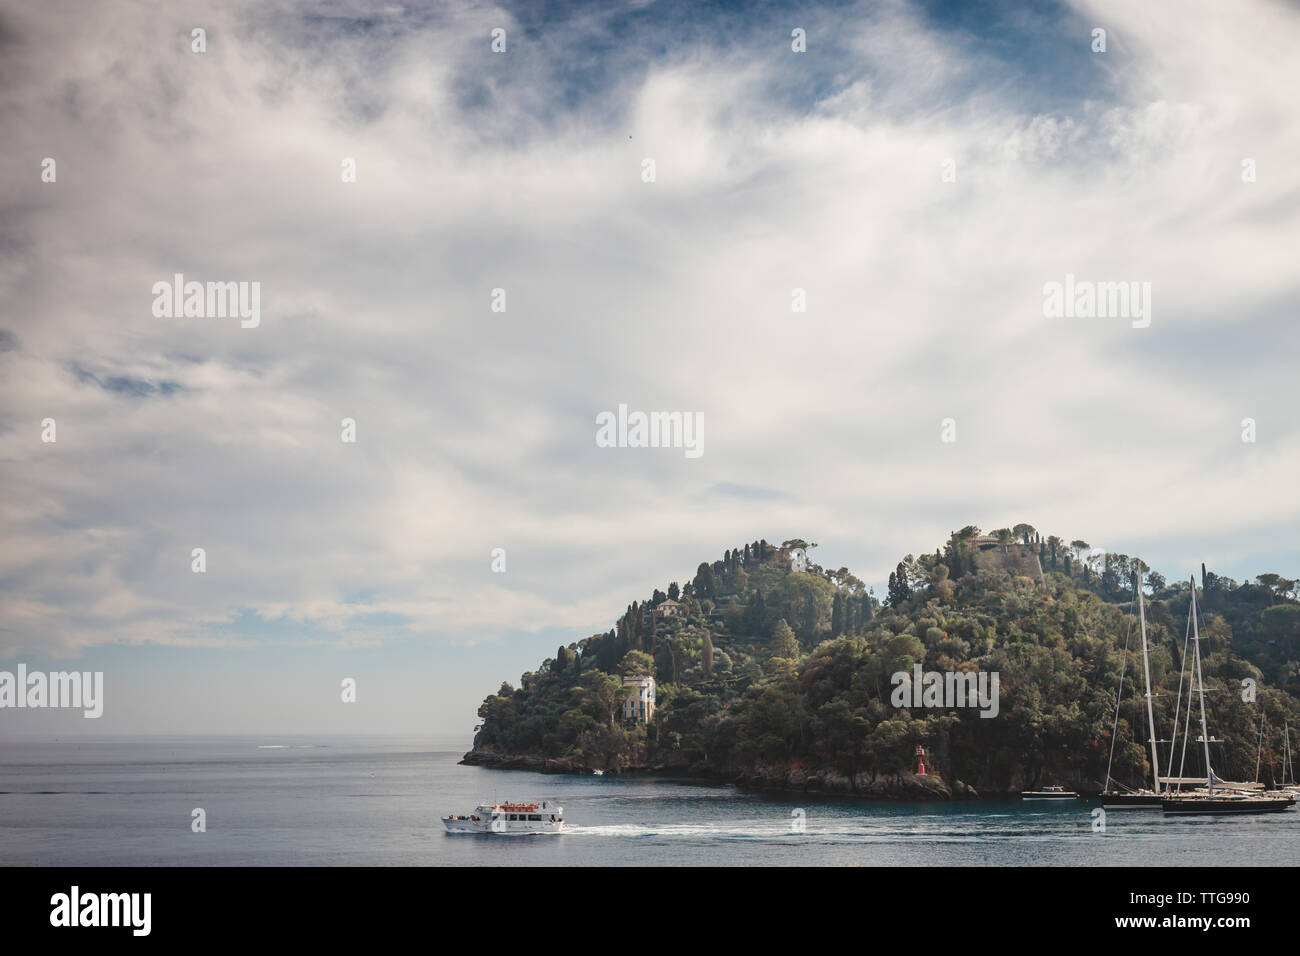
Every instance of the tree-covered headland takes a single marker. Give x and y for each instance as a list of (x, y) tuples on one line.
[(776, 672)]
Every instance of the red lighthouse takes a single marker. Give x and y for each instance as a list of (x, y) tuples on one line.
[(920, 761)]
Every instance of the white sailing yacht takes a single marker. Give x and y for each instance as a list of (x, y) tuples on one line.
[(1142, 799), (1223, 800)]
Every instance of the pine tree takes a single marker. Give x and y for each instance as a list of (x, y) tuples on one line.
[(784, 643), (704, 580), (899, 589), (755, 613)]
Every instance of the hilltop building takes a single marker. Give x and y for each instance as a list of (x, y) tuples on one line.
[(669, 608)]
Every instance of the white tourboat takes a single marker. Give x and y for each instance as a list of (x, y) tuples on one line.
[(516, 818)]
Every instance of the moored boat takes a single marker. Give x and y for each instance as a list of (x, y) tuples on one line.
[(1228, 801), (1222, 799), (1049, 793), (1130, 800)]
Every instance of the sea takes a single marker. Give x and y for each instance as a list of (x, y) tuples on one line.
[(377, 801)]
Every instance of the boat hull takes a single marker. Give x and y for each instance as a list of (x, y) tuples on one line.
[(465, 826), (1049, 796), (507, 828), (1131, 801), (1223, 805)]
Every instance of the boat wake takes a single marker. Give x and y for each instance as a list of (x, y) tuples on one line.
[(735, 831), (826, 832)]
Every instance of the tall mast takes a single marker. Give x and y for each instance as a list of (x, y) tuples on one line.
[(1291, 757), (1200, 687), (1178, 706), (1146, 676), (1289, 765), (1119, 696), (1259, 752)]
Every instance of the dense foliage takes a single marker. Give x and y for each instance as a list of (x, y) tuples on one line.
[(758, 663)]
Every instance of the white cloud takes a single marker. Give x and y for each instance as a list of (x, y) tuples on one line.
[(477, 429)]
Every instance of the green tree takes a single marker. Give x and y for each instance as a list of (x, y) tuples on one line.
[(605, 695), (808, 600), (704, 582), (1025, 532), (899, 589), (637, 664), (784, 643), (755, 618)]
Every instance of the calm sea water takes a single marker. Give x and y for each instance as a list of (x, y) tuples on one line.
[(371, 801)]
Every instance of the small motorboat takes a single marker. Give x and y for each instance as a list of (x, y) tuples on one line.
[(1049, 793)]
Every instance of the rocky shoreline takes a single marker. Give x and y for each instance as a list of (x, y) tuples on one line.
[(897, 786), (775, 778)]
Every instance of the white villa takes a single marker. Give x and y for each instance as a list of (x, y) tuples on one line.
[(640, 706)]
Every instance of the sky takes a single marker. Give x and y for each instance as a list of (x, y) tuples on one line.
[(920, 172)]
